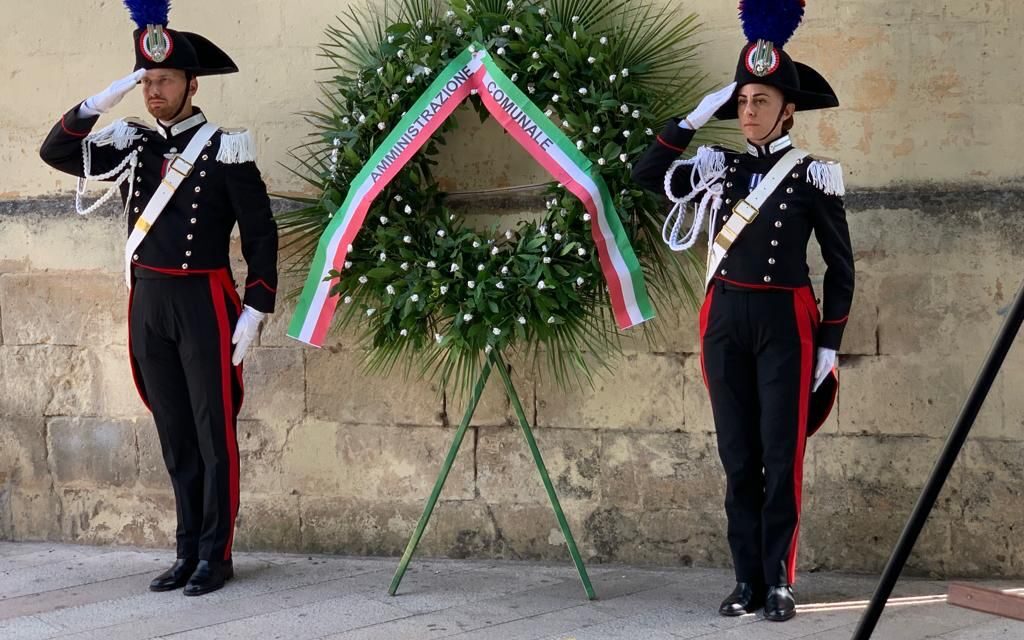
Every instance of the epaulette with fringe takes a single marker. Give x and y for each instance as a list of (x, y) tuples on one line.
[(120, 133), (827, 175), (236, 146)]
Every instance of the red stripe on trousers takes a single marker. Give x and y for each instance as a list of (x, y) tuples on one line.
[(224, 327), (705, 312), (805, 311), (136, 375)]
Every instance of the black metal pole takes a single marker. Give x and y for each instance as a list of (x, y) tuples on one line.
[(962, 427)]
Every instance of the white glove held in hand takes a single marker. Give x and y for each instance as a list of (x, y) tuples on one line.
[(107, 99), (246, 330), (825, 362), (709, 104)]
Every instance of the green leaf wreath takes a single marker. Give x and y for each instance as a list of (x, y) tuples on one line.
[(423, 288)]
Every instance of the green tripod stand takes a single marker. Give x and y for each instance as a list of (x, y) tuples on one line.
[(495, 361)]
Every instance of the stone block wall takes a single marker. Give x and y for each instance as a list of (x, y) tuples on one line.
[(334, 460)]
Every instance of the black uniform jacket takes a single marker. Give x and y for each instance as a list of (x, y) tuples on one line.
[(193, 233), (771, 252)]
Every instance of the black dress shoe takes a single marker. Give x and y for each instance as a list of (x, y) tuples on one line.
[(176, 576), (745, 598), (779, 604), (209, 576)]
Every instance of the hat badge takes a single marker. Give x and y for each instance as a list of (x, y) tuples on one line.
[(762, 58), (156, 43)]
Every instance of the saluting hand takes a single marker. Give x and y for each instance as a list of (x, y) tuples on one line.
[(108, 98), (246, 330), (709, 104), (824, 364)]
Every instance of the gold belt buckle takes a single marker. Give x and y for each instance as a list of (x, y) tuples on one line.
[(746, 211), (183, 171)]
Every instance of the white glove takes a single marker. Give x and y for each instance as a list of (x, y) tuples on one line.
[(107, 99), (246, 330), (709, 104), (824, 364)]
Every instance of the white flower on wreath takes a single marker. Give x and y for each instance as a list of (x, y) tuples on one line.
[(555, 98), (521, 320), (415, 297), (390, 289), (431, 264), (471, 284)]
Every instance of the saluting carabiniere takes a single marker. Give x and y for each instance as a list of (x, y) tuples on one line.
[(185, 183), (768, 356)]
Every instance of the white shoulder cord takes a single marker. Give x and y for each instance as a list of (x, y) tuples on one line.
[(121, 136), (708, 170)]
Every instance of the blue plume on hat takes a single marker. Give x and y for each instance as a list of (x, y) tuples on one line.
[(146, 12), (772, 20)]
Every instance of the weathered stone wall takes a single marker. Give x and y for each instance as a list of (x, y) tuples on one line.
[(930, 88), (334, 460)]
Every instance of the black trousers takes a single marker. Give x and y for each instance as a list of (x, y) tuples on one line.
[(180, 331), (757, 355)]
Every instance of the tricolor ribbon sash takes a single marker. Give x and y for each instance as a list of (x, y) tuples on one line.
[(474, 69)]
